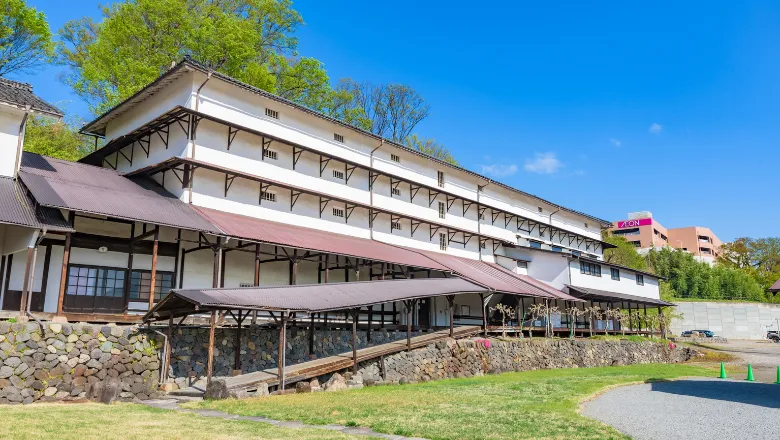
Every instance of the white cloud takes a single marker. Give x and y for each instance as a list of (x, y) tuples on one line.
[(615, 142), (499, 170), (543, 163), (656, 128)]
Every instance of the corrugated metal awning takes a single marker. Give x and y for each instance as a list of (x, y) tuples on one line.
[(266, 231), (85, 188), (588, 293), (309, 298), (16, 208)]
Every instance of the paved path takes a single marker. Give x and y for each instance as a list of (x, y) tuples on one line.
[(691, 409), (173, 405)]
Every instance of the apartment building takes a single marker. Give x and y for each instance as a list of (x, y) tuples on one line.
[(205, 181), (646, 233)]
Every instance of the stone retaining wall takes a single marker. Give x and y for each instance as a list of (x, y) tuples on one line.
[(702, 340), (64, 361), (475, 357)]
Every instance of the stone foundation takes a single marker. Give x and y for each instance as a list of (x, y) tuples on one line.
[(65, 361), (476, 357)]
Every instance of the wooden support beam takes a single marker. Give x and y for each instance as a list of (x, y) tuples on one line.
[(451, 302), (26, 282), (282, 347), (217, 264), (63, 273), (311, 335), (168, 350), (257, 268), (153, 279), (484, 315), (370, 316), (355, 314), (210, 365), (239, 324), (409, 324)]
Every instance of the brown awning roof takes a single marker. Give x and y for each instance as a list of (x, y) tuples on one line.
[(588, 293), (85, 188), (266, 231), (16, 208), (775, 287), (496, 277), (309, 298)]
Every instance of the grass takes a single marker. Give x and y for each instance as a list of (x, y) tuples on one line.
[(539, 404), (89, 421)]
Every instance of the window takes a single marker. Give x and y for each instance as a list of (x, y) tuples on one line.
[(268, 196), (440, 178), (557, 249), (442, 241), (615, 274), (395, 158), (541, 210), (96, 281), (640, 279), (396, 226), (465, 310), (272, 113), (442, 210), (338, 138), (141, 280), (592, 269), (271, 154), (632, 231), (396, 192), (535, 244), (705, 250), (635, 243), (338, 174), (337, 212)]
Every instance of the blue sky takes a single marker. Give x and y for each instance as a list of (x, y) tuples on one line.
[(670, 107)]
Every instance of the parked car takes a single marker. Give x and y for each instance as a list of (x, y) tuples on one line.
[(705, 333), (773, 336)]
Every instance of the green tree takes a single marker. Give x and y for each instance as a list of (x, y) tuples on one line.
[(431, 148), (758, 257), (137, 40), (624, 253), (25, 38), (55, 138)]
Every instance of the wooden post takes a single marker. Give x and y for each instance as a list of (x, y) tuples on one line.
[(153, 280), (327, 271), (129, 274), (64, 274), (170, 347), (311, 335), (451, 302), (217, 264), (237, 360), (210, 366), (484, 314), (370, 315), (282, 348), (26, 283), (294, 273), (257, 265), (409, 324), (644, 306), (355, 314)]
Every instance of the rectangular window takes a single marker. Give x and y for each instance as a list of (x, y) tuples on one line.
[(535, 244), (271, 154), (615, 274), (272, 113), (442, 241), (590, 269), (141, 281), (440, 178), (396, 192), (338, 212), (395, 158), (442, 210), (96, 281), (557, 249), (338, 138), (268, 196), (396, 226), (338, 174), (640, 279), (465, 310)]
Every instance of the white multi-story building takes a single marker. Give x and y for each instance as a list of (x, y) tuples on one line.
[(206, 181)]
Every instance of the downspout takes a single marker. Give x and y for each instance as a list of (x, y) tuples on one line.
[(371, 189), (20, 140), (549, 221), (479, 223), (192, 135)]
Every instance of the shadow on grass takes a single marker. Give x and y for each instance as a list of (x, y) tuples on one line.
[(751, 393)]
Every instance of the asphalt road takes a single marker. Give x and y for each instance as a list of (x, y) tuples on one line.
[(691, 409)]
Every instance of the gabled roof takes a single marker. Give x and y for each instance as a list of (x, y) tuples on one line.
[(775, 287), (17, 208), (21, 95), (60, 184), (98, 125)]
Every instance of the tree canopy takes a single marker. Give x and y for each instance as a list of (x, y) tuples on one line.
[(55, 138), (431, 148), (758, 257), (25, 38)]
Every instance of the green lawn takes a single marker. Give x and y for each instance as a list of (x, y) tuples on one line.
[(87, 421), (535, 404)]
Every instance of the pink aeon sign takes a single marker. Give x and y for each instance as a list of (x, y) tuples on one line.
[(634, 223)]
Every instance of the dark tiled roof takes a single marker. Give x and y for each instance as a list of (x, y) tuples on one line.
[(310, 298), (97, 126), (604, 295), (21, 94), (85, 188), (16, 208)]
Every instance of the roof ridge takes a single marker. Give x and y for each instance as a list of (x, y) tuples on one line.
[(19, 84)]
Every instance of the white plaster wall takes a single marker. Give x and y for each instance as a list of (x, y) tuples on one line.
[(10, 119), (627, 283)]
